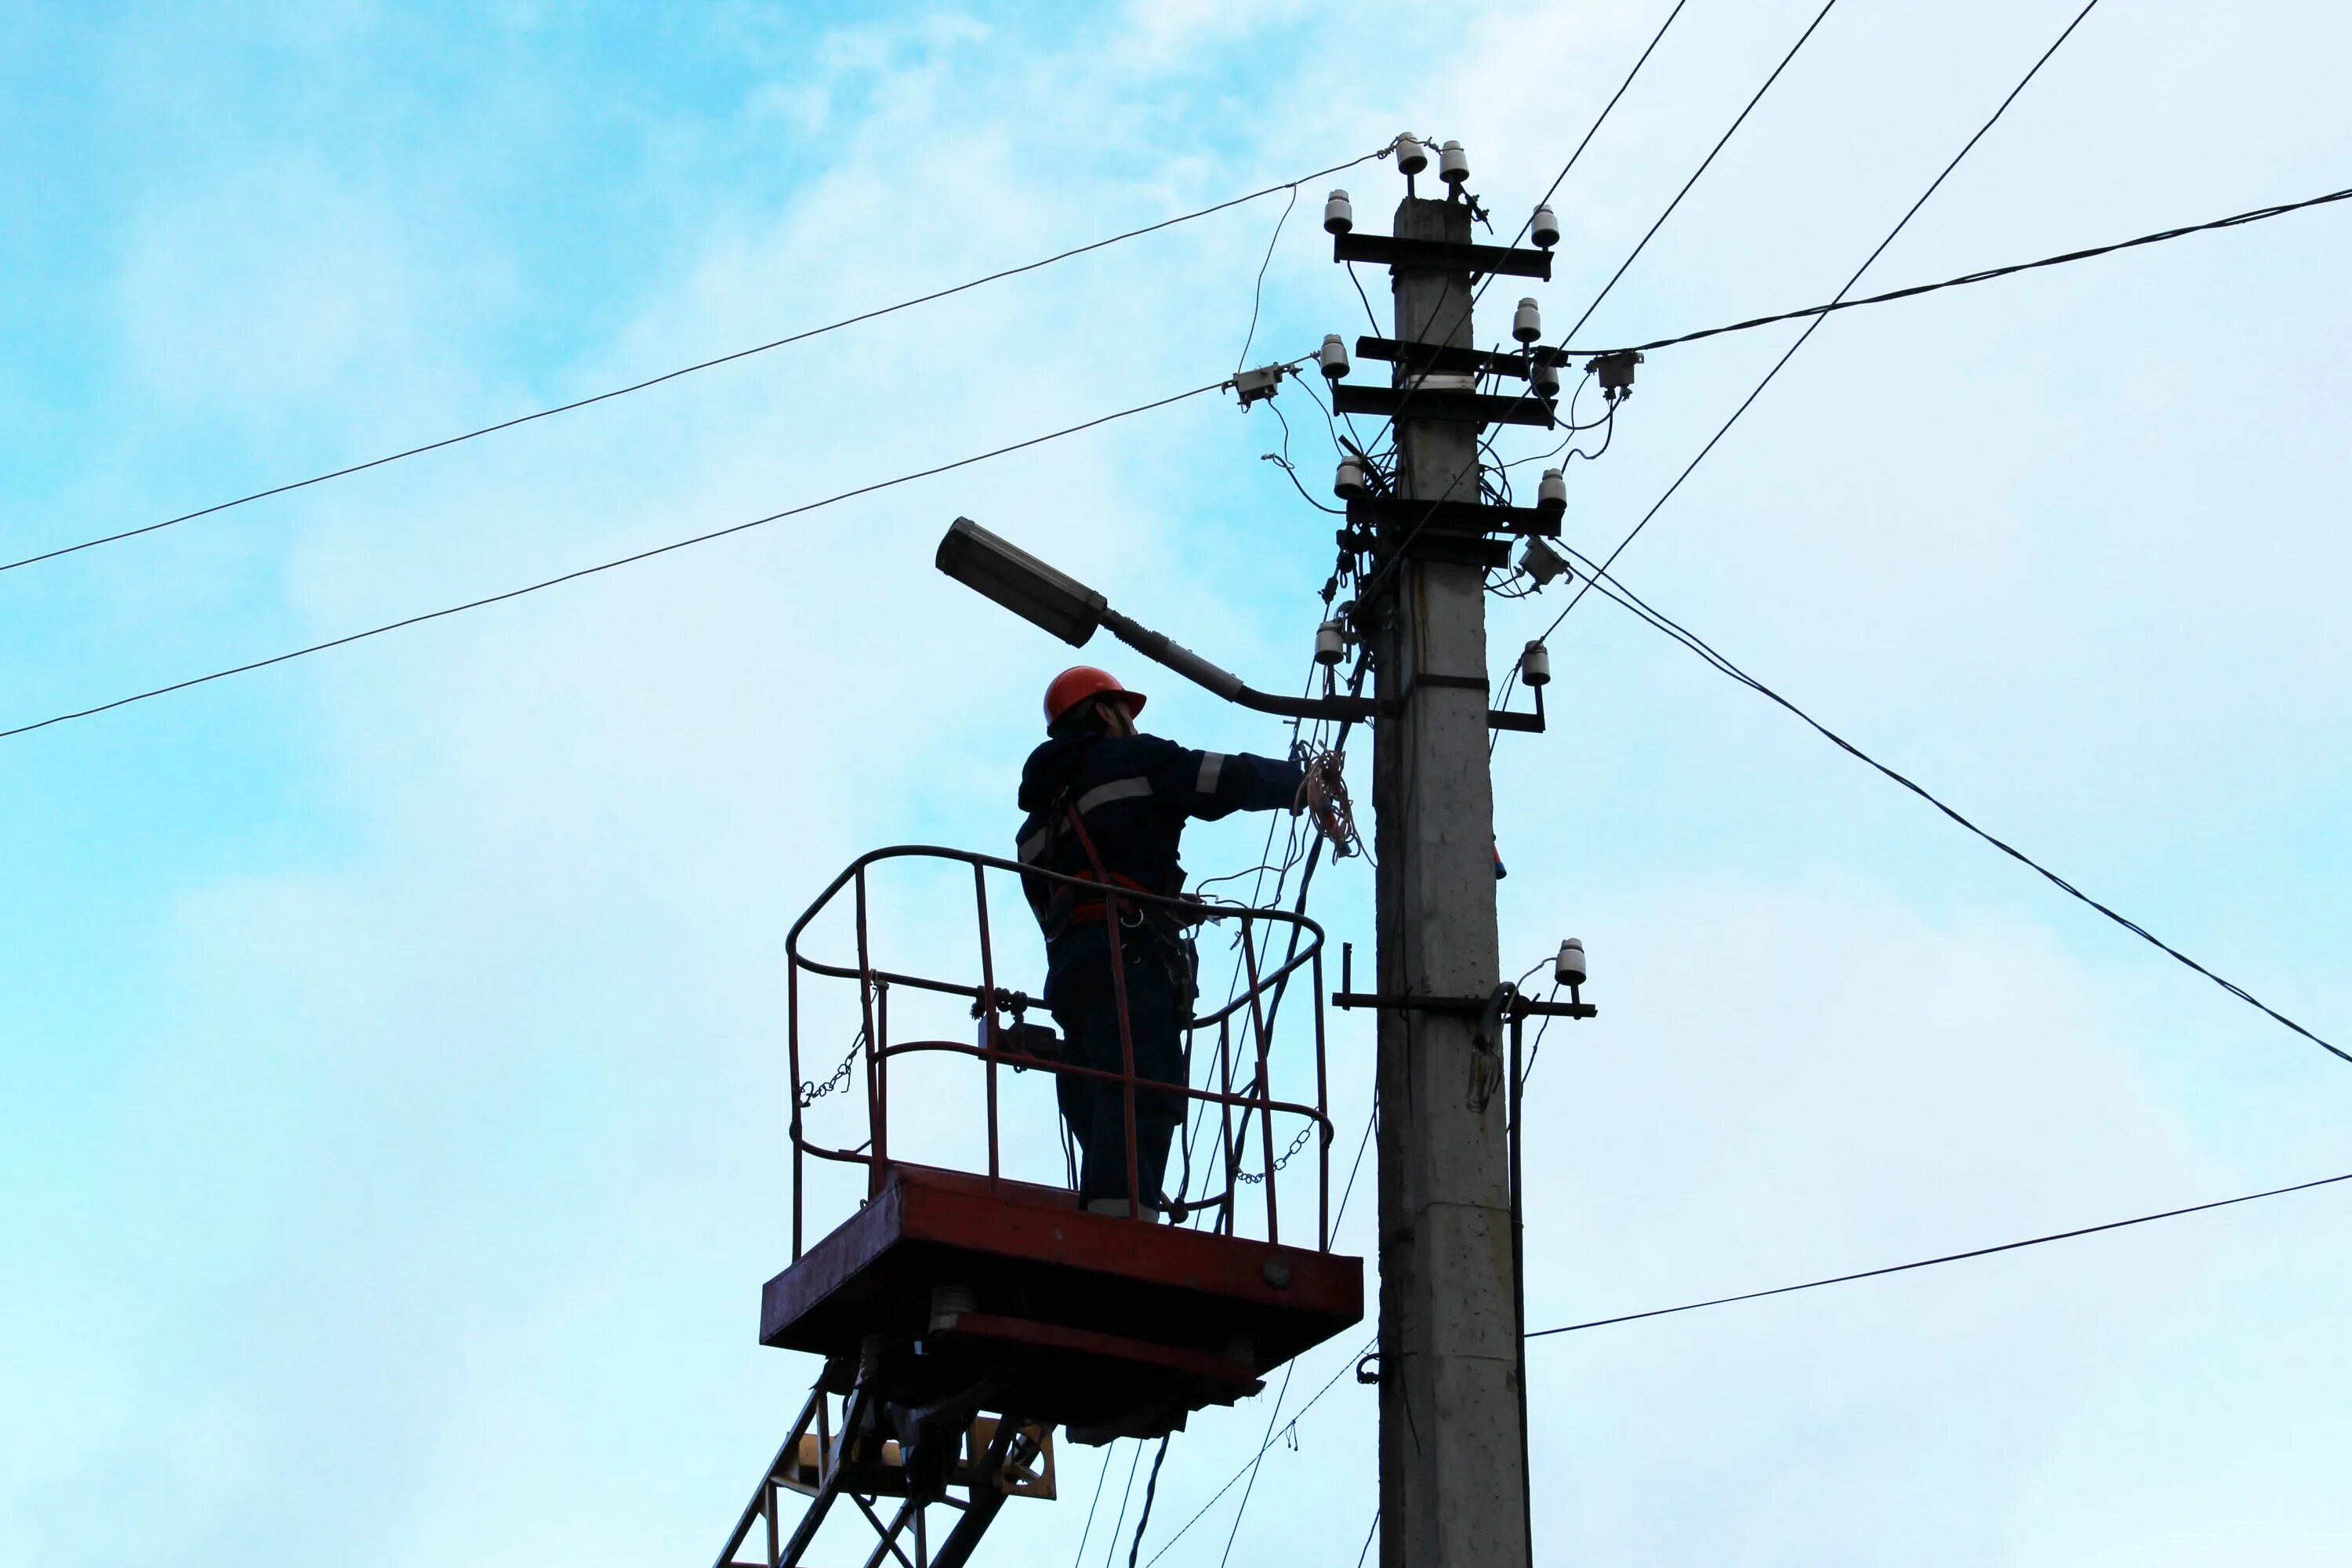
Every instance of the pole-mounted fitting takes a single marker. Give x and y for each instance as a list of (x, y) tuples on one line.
[(1616, 373)]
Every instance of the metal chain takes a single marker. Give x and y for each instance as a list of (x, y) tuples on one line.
[(811, 1091), (1295, 1145)]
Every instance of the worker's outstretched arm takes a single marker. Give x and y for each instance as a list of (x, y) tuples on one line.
[(1210, 785)]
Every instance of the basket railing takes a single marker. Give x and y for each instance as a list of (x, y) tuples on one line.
[(1245, 1114)]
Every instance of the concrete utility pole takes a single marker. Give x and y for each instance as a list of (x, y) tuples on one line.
[(1453, 1480)]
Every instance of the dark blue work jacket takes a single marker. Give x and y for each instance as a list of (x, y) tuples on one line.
[(1133, 793)]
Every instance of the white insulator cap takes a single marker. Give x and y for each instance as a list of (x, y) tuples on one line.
[(1535, 664), (1411, 156), (1551, 495), (1542, 562), (1544, 376), (1453, 163), (1338, 214), (1348, 485), (1544, 228), (1334, 356), (1526, 322), (1568, 967), (1330, 643)]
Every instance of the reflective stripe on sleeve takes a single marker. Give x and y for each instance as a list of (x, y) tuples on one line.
[(1213, 767), (1118, 789), (1035, 846)]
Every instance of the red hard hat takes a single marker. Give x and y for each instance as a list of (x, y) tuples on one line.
[(1081, 682)]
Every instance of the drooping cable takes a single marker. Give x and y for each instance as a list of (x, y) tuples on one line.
[(1258, 291), (1256, 1461), (1806, 336), (1292, 1426), (1946, 1257), (1150, 1490), (579, 403), (613, 564)]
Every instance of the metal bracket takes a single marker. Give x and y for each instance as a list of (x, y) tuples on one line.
[(1465, 1006), (1419, 357), (1524, 723), (1459, 516), (1515, 1006), (1442, 403), (1442, 256)]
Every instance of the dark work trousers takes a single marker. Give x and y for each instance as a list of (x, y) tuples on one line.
[(1159, 1002)]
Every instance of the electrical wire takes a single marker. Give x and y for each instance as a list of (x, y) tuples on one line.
[(1370, 1117), (1627, 599), (1150, 1490), (1290, 469), (1574, 429), (1370, 1345), (1721, 142), (1932, 1262), (1536, 1050), (1369, 314), (1814, 326), (1251, 1490), (1598, 120), (578, 402), (1108, 1449), (1258, 291), (613, 564), (1125, 1498), (1987, 275)]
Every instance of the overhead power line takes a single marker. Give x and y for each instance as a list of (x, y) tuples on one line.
[(578, 402), (1932, 1262), (1598, 120), (1704, 163), (1616, 591), (613, 564), (1814, 326), (2235, 220)]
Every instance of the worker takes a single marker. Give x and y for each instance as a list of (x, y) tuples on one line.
[(1107, 803)]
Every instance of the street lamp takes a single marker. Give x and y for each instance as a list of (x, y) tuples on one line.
[(1054, 602), (1003, 571)]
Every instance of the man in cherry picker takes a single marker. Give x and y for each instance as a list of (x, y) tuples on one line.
[(1108, 804)]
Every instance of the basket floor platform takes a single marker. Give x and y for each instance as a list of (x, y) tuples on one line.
[(1011, 1298)]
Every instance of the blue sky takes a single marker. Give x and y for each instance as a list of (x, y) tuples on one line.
[(392, 1041)]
